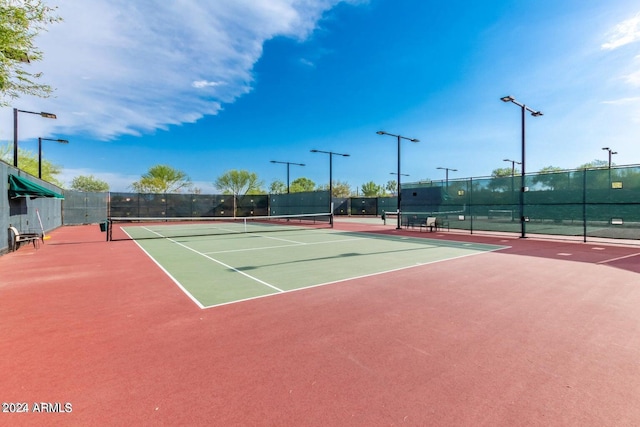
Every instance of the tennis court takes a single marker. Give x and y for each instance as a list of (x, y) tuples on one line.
[(220, 262), (416, 329)]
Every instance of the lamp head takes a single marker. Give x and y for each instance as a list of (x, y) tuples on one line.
[(381, 132), (48, 115), (508, 98)]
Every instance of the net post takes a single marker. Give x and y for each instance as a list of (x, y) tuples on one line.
[(331, 211)]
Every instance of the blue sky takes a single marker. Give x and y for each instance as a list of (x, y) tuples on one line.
[(209, 86)]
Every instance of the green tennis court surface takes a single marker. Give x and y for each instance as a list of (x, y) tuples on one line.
[(221, 269)]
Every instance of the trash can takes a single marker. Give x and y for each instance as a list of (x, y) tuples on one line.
[(103, 226)]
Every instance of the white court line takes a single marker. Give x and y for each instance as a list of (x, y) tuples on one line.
[(227, 230), (282, 240), (187, 293), (222, 264), (228, 266), (618, 258), (281, 291), (283, 246), (355, 277)]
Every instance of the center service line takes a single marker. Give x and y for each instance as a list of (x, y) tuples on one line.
[(227, 266)]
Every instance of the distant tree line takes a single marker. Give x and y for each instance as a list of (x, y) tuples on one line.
[(166, 179)]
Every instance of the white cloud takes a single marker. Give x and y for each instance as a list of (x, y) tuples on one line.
[(203, 83), (122, 67), (307, 62), (633, 78), (622, 101), (624, 33)]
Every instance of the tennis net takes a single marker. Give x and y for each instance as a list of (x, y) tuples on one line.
[(131, 228)]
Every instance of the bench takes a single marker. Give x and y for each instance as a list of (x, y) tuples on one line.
[(16, 239), (434, 223), (442, 223), (430, 223), (411, 221)]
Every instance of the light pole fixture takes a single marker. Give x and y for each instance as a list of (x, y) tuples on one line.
[(447, 174), (611, 152), (288, 164), (61, 141), (534, 113), (15, 129), (513, 165), (331, 154), (399, 137), (395, 173)]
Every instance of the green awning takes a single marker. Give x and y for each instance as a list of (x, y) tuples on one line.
[(20, 187)]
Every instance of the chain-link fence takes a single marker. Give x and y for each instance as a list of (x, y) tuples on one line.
[(590, 203), (595, 203)]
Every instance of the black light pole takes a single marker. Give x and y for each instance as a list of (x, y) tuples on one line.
[(513, 169), (611, 152), (534, 113), (331, 154), (61, 141), (15, 129), (513, 165), (447, 175), (288, 164), (381, 132)]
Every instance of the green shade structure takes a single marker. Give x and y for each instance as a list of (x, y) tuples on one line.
[(20, 187)]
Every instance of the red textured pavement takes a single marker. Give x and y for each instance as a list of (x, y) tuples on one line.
[(546, 333)]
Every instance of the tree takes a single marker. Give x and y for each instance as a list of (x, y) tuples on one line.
[(502, 179), (20, 23), (89, 184), (550, 169), (340, 189), (302, 184), (29, 164), (277, 187), (239, 183), (549, 178), (505, 172), (392, 187), (371, 189), (162, 179), (594, 164)]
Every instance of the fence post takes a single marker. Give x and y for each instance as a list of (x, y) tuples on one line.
[(584, 205), (470, 191)]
